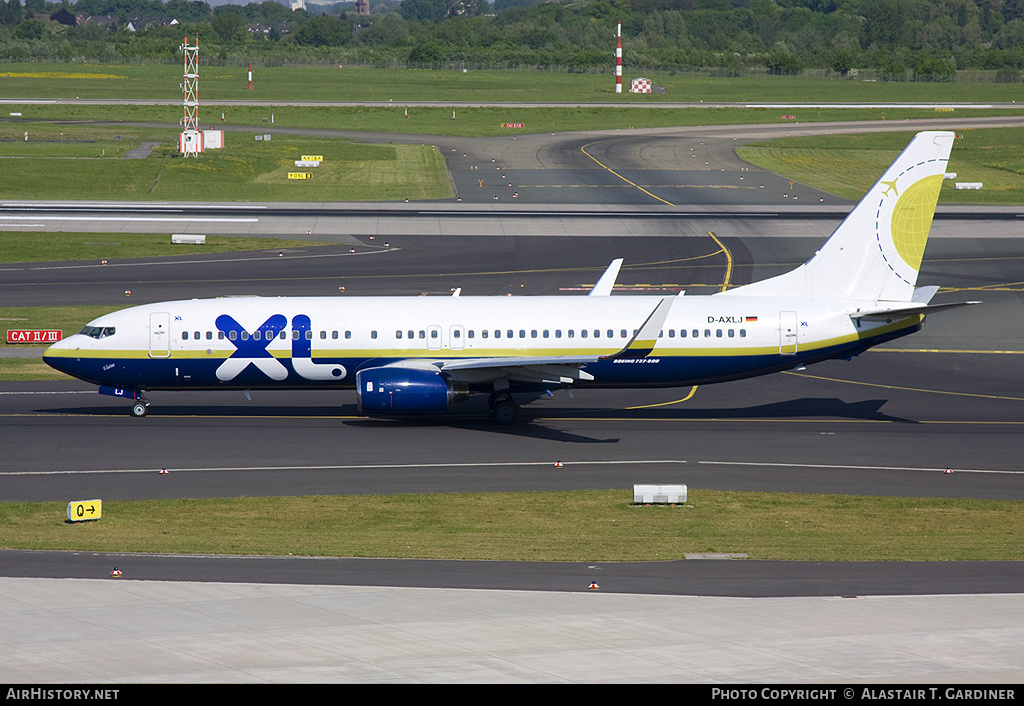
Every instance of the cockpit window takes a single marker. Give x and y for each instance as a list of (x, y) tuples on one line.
[(98, 332)]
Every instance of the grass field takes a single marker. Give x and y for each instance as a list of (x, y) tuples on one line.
[(27, 246), (848, 165), (552, 526), (329, 83), (86, 162), (469, 121), (91, 157)]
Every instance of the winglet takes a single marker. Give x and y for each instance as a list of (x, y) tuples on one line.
[(603, 288), (643, 342)]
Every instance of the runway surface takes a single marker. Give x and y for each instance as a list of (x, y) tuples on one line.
[(889, 422)]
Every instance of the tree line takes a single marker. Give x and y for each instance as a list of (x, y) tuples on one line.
[(929, 39)]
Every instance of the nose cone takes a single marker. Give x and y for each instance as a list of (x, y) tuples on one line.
[(62, 355)]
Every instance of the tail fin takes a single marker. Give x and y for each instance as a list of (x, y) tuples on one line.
[(875, 253)]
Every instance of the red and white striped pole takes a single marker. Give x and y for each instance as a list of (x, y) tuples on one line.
[(618, 59), (250, 75)]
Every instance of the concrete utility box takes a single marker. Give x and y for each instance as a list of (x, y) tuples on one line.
[(961, 185), (184, 238), (659, 494)]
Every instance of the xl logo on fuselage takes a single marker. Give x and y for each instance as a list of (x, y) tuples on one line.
[(251, 349)]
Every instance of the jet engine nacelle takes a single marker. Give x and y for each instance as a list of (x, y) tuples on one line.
[(397, 390)]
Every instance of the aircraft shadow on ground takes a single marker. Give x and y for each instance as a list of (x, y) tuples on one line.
[(533, 422)]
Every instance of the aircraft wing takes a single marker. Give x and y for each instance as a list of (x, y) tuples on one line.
[(553, 369)]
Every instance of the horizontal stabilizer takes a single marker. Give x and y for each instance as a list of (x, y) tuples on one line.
[(889, 314)]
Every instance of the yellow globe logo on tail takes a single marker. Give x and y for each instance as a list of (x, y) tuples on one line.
[(912, 219)]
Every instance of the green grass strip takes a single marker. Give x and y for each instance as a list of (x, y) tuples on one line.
[(330, 83), (543, 526), (848, 165), (28, 246)]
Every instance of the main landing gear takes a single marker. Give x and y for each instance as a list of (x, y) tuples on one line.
[(140, 407), (504, 409)]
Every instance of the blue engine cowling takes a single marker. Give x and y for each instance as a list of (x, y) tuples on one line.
[(402, 391)]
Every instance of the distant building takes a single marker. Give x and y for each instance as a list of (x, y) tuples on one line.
[(298, 5), (363, 8)]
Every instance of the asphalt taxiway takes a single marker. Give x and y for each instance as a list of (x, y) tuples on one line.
[(889, 422)]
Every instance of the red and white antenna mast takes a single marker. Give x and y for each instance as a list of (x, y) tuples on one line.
[(190, 142), (618, 59)]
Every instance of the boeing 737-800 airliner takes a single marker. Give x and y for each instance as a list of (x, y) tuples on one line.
[(420, 355)]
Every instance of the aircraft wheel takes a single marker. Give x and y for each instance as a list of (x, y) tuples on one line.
[(139, 409), (505, 411)]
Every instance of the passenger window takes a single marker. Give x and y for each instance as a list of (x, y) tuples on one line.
[(423, 334), (522, 333), (671, 333), (571, 333), (497, 333), (483, 333), (457, 333), (309, 335), (412, 335), (433, 334), (707, 333), (323, 335), (209, 335), (233, 335), (743, 333), (696, 333), (348, 334), (718, 333), (682, 333), (732, 333), (245, 335), (583, 333), (220, 336), (334, 335), (533, 333), (184, 335), (373, 335), (546, 333), (623, 333), (470, 333), (398, 335)]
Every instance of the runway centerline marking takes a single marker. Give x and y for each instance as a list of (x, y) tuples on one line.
[(829, 466), (728, 264), (510, 464), (905, 389), (352, 467), (693, 391), (198, 219), (583, 149)]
